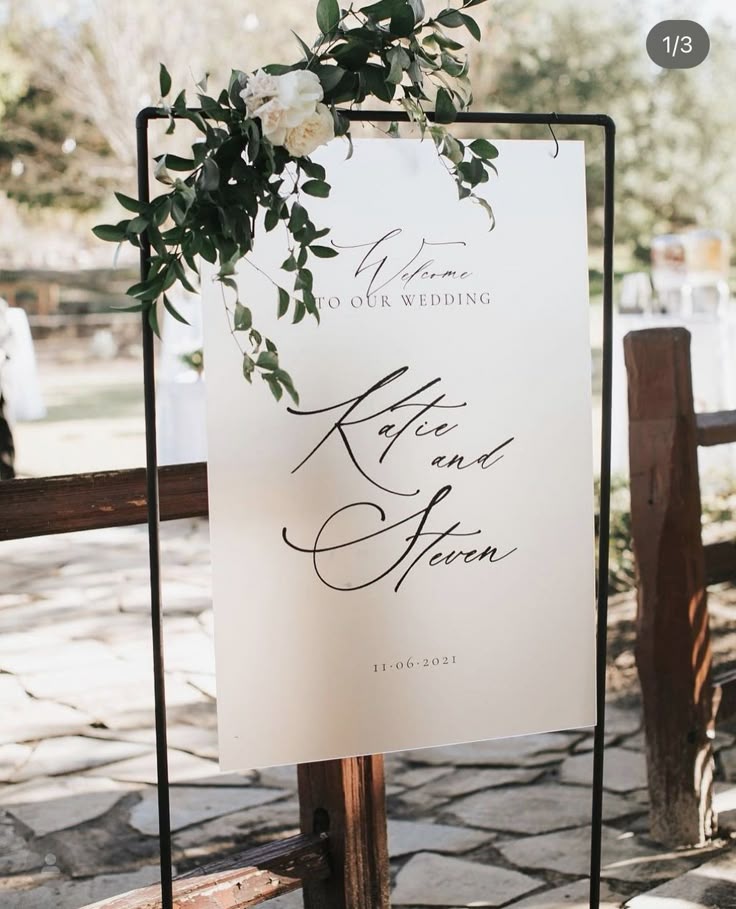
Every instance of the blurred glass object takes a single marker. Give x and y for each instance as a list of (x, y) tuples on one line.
[(690, 272)]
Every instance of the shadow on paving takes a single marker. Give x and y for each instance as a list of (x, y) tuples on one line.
[(500, 823)]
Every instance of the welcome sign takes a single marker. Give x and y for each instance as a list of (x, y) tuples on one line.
[(405, 559)]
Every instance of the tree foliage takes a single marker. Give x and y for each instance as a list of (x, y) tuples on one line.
[(675, 128)]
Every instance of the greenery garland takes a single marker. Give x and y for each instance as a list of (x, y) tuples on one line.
[(253, 156)]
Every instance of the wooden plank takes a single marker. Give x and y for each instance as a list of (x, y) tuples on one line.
[(717, 428), (347, 799), (37, 507), (720, 562), (239, 881), (673, 652)]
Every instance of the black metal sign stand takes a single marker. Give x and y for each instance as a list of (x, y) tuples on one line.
[(550, 120)]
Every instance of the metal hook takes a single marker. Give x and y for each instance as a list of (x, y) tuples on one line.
[(557, 144)]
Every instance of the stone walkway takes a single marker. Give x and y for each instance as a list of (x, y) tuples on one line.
[(501, 823)]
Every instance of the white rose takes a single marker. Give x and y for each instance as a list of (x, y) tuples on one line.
[(273, 121), (260, 88), (316, 130), (282, 102), (298, 93)]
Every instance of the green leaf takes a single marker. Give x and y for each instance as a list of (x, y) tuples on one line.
[(175, 162), (171, 309), (310, 303), (248, 367), (352, 53), (153, 320), (328, 15), (267, 359), (131, 204), (289, 264), (452, 149), (304, 280), (471, 25), (273, 384), (484, 149), (312, 169), (161, 210), (418, 9), (208, 252), (182, 276), (323, 252), (376, 82), (444, 110), (316, 188), (299, 312), (395, 58), (243, 319), (136, 307), (113, 233), (384, 9), (308, 53), (271, 219), (402, 22), (210, 179), (283, 302), (146, 290), (285, 379), (137, 225), (299, 216), (329, 76), (450, 18), (164, 80), (488, 210), (443, 41)]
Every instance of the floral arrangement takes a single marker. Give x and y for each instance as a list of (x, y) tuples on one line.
[(253, 156)]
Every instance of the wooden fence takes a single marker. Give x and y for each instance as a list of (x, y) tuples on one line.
[(682, 692), (340, 859)]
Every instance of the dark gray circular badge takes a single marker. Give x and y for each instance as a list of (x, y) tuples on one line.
[(678, 44)]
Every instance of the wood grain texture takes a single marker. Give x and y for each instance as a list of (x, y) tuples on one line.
[(673, 652), (347, 798), (716, 428), (239, 881), (38, 507)]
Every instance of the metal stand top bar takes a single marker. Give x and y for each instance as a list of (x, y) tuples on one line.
[(387, 116)]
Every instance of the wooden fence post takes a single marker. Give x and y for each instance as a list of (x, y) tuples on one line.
[(346, 798), (673, 652)]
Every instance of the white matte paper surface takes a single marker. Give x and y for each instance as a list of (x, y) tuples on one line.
[(408, 560)]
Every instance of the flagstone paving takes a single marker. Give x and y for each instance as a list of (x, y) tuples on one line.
[(501, 823)]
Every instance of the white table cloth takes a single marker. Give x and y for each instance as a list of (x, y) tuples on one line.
[(20, 375)]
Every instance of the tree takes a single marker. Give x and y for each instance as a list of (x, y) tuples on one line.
[(675, 129)]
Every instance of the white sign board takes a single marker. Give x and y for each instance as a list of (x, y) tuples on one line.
[(406, 558)]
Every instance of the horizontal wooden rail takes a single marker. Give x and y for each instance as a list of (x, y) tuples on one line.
[(716, 428), (239, 881), (88, 501), (720, 562)]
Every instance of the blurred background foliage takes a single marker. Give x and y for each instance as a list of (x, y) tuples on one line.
[(73, 74)]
